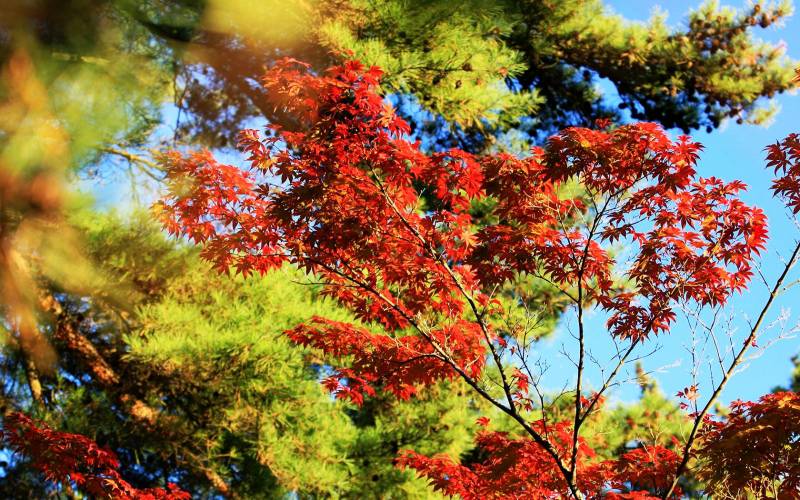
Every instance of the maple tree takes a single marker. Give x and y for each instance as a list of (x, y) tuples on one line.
[(340, 196)]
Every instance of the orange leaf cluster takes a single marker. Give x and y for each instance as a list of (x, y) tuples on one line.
[(755, 448)]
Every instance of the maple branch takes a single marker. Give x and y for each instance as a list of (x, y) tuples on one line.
[(577, 422), (700, 417), (608, 382), (510, 411), (556, 286), (622, 360), (426, 245)]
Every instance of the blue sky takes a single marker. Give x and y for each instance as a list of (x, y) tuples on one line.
[(731, 152)]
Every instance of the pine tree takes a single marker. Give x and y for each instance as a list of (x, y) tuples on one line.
[(187, 377), (476, 69)]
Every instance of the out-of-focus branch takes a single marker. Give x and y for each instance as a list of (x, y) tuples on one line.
[(32, 375), (146, 165)]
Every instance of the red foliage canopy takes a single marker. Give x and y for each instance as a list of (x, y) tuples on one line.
[(74, 459), (399, 364), (389, 231), (342, 197)]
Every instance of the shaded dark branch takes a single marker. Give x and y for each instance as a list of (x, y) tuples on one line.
[(232, 59)]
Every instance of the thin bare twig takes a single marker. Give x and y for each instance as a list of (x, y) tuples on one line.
[(700, 417)]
